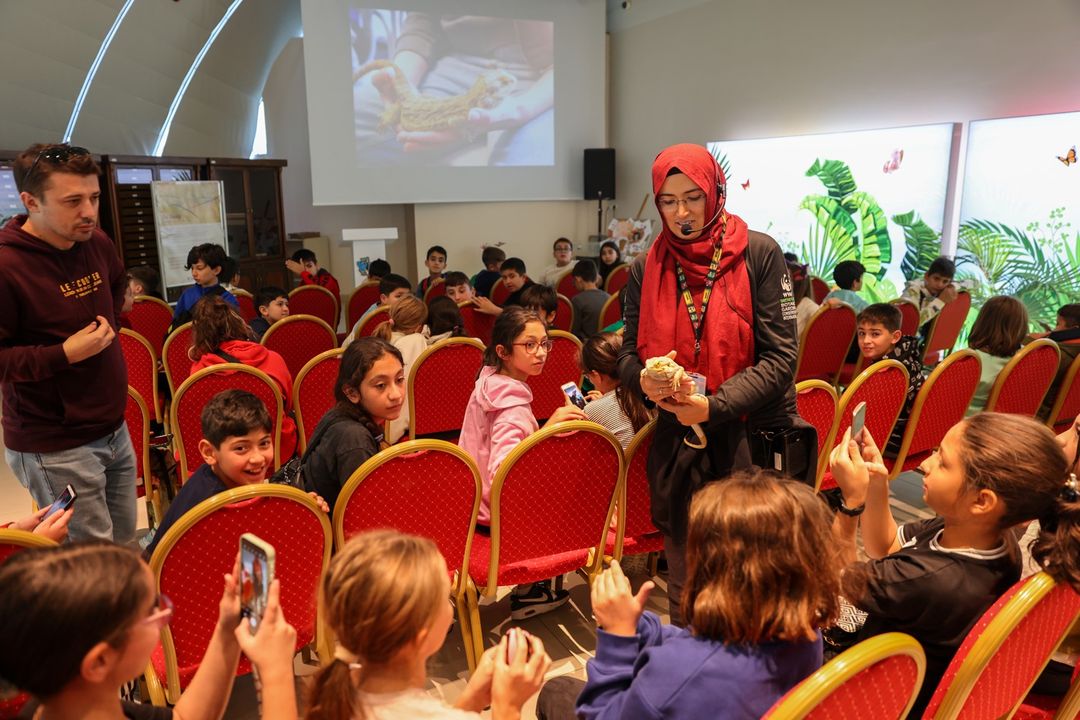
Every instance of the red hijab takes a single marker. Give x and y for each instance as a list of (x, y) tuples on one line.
[(727, 338)]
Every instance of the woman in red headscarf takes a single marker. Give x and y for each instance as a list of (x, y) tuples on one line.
[(715, 297)]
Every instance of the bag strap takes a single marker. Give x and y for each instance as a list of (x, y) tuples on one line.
[(226, 356)]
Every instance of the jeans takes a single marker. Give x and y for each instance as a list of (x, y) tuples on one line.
[(102, 473), (558, 697)]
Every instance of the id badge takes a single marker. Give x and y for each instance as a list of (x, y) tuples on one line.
[(699, 382)]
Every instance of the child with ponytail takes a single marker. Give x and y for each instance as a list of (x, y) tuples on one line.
[(621, 412), (405, 330), (386, 599)]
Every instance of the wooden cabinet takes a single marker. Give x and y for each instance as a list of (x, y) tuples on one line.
[(254, 219)]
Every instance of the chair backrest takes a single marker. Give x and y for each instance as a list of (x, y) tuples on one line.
[(193, 394), (1002, 656), (819, 288), (617, 278), (313, 392), (175, 358), (137, 417), (1067, 402), (878, 679), (379, 316), (824, 343), (194, 554), (563, 365), (142, 368), (817, 403), (883, 387), (477, 324), (638, 512), (437, 288), (441, 381), (611, 313), (564, 315), (429, 488), (298, 338), (1022, 384), (314, 300), (538, 513), (151, 318), (566, 285), (246, 302), (946, 327), (941, 403), (909, 316), (12, 541), (499, 292), (361, 299)]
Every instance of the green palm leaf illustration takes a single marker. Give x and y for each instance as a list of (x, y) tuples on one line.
[(922, 241)]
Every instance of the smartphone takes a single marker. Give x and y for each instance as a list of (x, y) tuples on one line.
[(858, 422), (256, 574), (62, 503), (574, 393)]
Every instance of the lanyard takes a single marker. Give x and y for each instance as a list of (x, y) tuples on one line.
[(697, 319)]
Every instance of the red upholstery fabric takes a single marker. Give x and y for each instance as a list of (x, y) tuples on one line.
[(612, 312), (430, 493), (499, 292), (142, 368), (564, 316), (879, 691), (477, 324), (298, 339), (1038, 707), (1019, 659), (192, 573), (373, 321), (817, 406), (947, 326), (566, 286), (826, 344), (947, 398), (436, 289), (313, 394), (641, 535), (138, 429), (442, 383), (361, 299), (177, 358), (549, 520), (820, 288), (10, 707), (314, 300), (151, 319), (246, 301), (909, 317), (563, 365), (617, 279), (1071, 407), (1023, 389)]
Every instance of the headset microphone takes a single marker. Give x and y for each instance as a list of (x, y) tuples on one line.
[(687, 229)]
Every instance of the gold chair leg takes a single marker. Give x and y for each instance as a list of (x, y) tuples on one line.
[(465, 625), (476, 630)]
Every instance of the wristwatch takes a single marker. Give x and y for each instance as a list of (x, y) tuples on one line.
[(851, 512)]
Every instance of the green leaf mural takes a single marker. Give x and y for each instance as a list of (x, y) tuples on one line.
[(922, 241), (835, 175)]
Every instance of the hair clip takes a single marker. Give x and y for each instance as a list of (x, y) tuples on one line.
[(1071, 491), (350, 659)]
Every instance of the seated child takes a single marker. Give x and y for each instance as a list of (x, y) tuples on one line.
[(272, 304), (435, 262), (805, 307), (493, 258), (370, 390), (81, 621), (378, 269), (758, 592), (54, 527), (516, 281), (848, 277), (406, 330), (306, 266), (145, 281), (621, 412), (391, 289), (934, 290), (444, 320), (543, 301), (563, 252), (129, 303), (934, 578), (878, 335), (610, 258), (385, 598), (205, 262), (458, 288), (229, 268), (995, 337), (1067, 336), (589, 301)]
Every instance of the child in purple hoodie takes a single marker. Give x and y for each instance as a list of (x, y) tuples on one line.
[(499, 415)]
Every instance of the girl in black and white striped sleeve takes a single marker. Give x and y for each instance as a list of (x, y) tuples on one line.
[(621, 412)]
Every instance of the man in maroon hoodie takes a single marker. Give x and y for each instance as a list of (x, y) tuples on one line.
[(62, 376)]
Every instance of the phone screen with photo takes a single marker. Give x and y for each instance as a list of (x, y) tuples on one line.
[(858, 422), (256, 574), (63, 502), (574, 393)]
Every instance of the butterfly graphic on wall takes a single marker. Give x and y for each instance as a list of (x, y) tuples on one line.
[(1070, 157), (746, 185), (893, 163)]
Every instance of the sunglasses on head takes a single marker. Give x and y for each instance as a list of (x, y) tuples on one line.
[(57, 155)]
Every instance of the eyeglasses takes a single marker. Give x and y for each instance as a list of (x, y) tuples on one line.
[(668, 204), (57, 154), (532, 346), (160, 613)]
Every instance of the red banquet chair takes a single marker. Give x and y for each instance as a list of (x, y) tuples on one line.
[(909, 316), (878, 679), (1067, 402), (544, 524), (142, 369), (361, 299), (946, 326), (298, 338), (883, 387), (1002, 656), (175, 357), (191, 558), (564, 315), (563, 365), (429, 488), (313, 392), (137, 417), (817, 403), (640, 535), (566, 285), (941, 403), (611, 313), (191, 397), (1052, 707), (1022, 384), (441, 381), (499, 292), (436, 289), (824, 343), (381, 315), (317, 301), (246, 302), (477, 324), (820, 289), (151, 318), (617, 279)]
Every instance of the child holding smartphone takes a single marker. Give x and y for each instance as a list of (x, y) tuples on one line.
[(621, 412), (385, 598)]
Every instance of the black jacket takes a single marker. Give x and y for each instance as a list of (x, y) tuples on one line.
[(764, 393)]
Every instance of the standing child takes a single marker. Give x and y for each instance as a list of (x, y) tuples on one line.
[(493, 258), (272, 304), (879, 338), (385, 598), (205, 263), (306, 266), (621, 412), (589, 301), (405, 330), (435, 262)]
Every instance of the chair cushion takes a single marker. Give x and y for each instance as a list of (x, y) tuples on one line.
[(526, 571)]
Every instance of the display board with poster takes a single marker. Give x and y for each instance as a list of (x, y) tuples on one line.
[(187, 213)]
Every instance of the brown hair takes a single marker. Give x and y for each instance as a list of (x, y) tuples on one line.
[(57, 603), (213, 322), (1070, 314), (881, 314), (379, 592), (759, 567), (601, 353), (1000, 326), (408, 315), (36, 181)]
